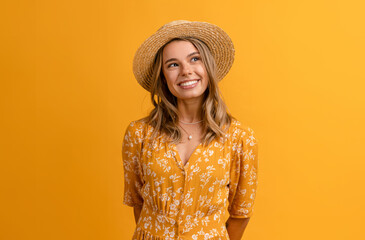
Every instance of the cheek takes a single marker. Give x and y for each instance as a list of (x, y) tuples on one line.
[(205, 84), (170, 77), (169, 81), (204, 74), (202, 71)]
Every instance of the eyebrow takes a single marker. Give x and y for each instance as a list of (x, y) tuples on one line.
[(174, 59)]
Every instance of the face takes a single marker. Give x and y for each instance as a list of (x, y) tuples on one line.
[(184, 70)]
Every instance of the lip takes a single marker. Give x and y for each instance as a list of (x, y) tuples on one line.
[(189, 86)]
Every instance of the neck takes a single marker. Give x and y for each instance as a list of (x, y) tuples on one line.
[(190, 109)]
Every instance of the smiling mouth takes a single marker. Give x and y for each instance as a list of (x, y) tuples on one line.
[(188, 83)]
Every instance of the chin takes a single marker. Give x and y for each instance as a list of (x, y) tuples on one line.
[(190, 96)]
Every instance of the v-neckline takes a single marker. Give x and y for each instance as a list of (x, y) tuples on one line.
[(177, 154)]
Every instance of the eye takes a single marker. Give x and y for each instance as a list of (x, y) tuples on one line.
[(172, 65), (194, 59)]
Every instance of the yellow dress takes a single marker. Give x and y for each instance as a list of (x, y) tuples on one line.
[(188, 202)]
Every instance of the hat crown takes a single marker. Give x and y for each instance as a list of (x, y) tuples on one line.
[(173, 23)]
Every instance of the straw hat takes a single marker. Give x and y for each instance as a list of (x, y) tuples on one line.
[(213, 36)]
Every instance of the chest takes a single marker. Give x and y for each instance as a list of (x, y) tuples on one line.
[(186, 149), (191, 137), (164, 160)]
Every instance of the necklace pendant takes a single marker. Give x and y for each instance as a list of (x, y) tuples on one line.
[(190, 137)]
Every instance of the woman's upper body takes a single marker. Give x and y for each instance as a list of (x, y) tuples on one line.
[(189, 200), (188, 161)]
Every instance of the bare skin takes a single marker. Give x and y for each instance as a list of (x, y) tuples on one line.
[(182, 64), (186, 147), (236, 227)]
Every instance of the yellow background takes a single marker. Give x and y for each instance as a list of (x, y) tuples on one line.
[(68, 93)]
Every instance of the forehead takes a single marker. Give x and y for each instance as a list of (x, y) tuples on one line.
[(178, 48)]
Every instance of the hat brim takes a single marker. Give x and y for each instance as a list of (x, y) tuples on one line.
[(213, 36)]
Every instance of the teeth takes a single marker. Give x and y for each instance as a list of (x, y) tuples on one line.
[(188, 83)]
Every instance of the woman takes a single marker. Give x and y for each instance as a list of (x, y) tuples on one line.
[(189, 161)]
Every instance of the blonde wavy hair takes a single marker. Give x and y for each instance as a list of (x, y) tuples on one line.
[(164, 117)]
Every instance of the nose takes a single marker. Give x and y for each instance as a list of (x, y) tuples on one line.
[(186, 69)]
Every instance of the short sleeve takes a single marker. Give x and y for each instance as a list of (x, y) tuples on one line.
[(243, 177), (131, 152)]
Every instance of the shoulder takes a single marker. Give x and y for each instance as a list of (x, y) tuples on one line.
[(242, 139), (240, 130), (137, 124), (137, 129)]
